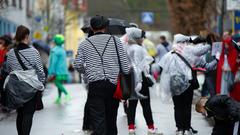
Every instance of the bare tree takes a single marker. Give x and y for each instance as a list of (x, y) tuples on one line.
[(191, 16)]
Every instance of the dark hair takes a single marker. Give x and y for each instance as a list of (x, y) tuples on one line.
[(7, 39), (212, 37), (21, 33), (163, 38), (143, 34), (90, 33)]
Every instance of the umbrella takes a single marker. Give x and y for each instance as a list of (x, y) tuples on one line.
[(116, 26)]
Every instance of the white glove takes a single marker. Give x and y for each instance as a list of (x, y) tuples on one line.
[(138, 87), (218, 55), (238, 43)]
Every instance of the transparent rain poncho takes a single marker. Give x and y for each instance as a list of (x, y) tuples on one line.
[(175, 76), (140, 60)]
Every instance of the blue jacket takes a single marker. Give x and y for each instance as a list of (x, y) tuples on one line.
[(57, 61)]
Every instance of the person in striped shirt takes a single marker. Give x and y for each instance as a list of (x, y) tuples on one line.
[(31, 59), (98, 60)]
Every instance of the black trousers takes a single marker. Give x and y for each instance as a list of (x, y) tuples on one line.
[(25, 116), (223, 127), (146, 106), (86, 118), (103, 108), (209, 86), (239, 128), (182, 109)]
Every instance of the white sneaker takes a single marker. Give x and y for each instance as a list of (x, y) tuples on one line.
[(87, 132), (131, 131), (154, 132), (187, 132), (179, 132)]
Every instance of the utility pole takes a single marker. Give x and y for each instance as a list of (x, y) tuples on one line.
[(222, 17)]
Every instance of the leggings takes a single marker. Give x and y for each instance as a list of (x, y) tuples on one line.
[(25, 116), (59, 84), (147, 112), (182, 109), (146, 106)]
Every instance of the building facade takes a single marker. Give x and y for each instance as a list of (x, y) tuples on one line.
[(14, 13)]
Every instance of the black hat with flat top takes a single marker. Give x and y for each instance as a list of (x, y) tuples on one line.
[(99, 22)]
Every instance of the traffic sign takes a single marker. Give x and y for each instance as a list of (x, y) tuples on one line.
[(148, 17), (237, 20)]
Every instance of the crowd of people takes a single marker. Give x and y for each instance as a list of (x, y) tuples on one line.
[(102, 57)]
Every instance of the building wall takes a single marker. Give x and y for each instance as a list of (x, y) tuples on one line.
[(6, 26), (73, 34), (11, 16), (131, 11)]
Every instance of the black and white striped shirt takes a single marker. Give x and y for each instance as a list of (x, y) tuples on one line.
[(33, 60), (89, 62)]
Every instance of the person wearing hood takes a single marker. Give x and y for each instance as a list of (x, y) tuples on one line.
[(139, 60), (226, 70), (180, 82), (57, 70)]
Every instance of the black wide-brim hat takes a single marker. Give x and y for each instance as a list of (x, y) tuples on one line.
[(99, 22)]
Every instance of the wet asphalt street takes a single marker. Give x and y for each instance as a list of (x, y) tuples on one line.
[(66, 119)]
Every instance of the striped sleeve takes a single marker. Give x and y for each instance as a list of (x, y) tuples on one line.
[(31, 60), (39, 68), (123, 56), (79, 60)]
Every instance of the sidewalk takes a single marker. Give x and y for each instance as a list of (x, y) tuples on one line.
[(5, 115), (66, 119)]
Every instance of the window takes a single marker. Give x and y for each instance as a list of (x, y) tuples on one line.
[(20, 4), (1, 32), (8, 28), (4, 27), (14, 4)]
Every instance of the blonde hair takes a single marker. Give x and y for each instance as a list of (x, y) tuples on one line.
[(200, 104)]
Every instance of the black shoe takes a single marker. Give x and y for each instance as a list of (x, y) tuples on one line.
[(193, 130)]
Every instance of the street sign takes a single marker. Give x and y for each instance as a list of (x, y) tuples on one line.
[(148, 17), (237, 20), (233, 4)]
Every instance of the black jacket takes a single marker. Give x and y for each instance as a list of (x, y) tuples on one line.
[(222, 107)]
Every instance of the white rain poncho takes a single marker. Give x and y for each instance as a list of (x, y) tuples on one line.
[(173, 66), (140, 60), (175, 76)]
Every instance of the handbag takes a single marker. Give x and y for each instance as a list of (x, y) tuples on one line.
[(20, 85), (39, 103), (149, 81), (194, 84), (125, 82)]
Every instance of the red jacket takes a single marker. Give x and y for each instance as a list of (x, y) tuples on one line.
[(236, 88), (232, 61), (2, 56)]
